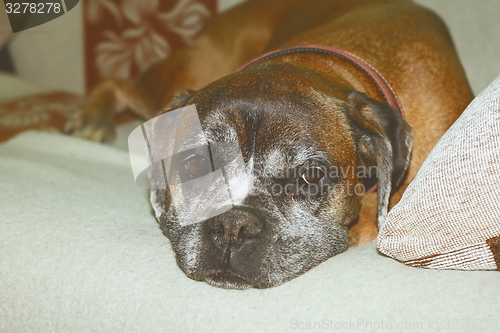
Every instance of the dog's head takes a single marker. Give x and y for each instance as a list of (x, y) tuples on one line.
[(308, 151)]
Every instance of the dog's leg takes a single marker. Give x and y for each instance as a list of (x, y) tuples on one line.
[(227, 42), (365, 228), (95, 120)]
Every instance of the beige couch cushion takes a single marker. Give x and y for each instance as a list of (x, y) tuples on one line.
[(449, 217), (81, 251)]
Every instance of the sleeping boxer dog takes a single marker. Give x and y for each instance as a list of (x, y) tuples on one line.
[(331, 101)]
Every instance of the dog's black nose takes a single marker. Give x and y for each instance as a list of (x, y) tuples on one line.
[(235, 226)]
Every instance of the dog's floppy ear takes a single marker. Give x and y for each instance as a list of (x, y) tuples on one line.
[(384, 140)]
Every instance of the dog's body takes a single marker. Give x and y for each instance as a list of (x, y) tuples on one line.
[(298, 112)]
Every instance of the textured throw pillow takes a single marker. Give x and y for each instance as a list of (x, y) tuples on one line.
[(449, 217)]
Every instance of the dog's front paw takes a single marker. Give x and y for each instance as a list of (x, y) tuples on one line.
[(94, 127)]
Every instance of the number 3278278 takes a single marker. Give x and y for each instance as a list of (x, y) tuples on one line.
[(33, 8)]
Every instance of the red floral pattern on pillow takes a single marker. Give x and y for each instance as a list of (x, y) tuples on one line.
[(124, 37)]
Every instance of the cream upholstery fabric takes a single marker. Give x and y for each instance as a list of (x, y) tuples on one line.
[(449, 217), (81, 252)]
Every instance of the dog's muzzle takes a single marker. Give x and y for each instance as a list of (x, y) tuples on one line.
[(234, 232)]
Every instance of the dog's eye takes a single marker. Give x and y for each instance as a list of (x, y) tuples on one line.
[(313, 175), (197, 166)]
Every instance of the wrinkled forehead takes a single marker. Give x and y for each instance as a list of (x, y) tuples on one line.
[(279, 135), (279, 108)]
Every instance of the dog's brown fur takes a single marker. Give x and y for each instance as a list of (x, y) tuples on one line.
[(419, 61)]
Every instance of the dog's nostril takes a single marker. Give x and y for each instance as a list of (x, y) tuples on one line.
[(235, 225), (252, 228), (215, 225)]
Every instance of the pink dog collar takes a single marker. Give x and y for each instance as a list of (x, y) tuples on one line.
[(380, 81)]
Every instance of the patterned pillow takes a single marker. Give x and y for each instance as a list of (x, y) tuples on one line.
[(449, 217), (125, 37)]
